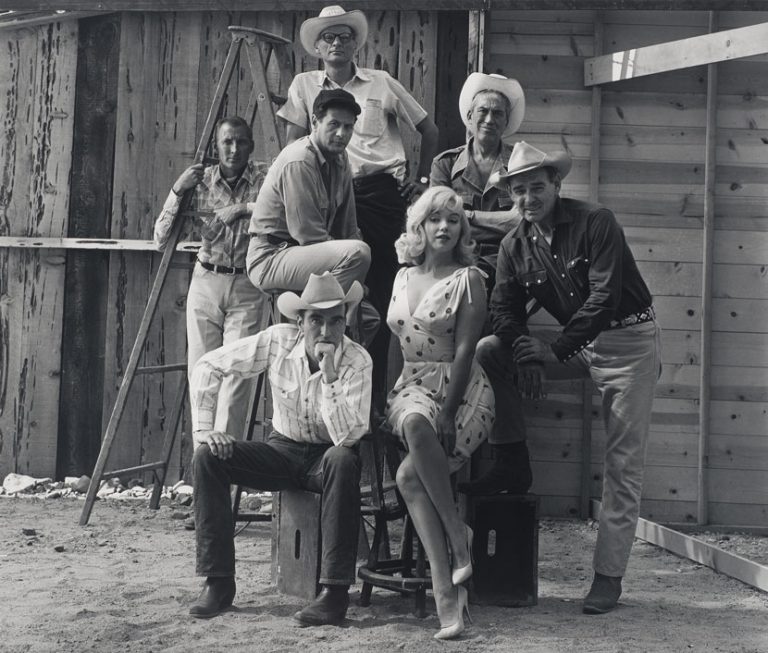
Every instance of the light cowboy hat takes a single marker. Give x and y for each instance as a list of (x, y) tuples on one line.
[(525, 158), (509, 88), (312, 28), (322, 291)]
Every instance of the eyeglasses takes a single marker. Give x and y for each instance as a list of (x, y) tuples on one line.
[(330, 37)]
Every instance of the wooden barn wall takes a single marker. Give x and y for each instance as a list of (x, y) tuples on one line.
[(37, 91), (154, 98), (652, 152)]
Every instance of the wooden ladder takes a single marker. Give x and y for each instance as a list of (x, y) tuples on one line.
[(260, 47)]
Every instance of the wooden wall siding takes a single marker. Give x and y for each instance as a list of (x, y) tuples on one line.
[(651, 174), (37, 85)]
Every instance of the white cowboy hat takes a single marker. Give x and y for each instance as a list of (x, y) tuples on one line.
[(322, 291), (509, 88), (312, 28), (525, 158)]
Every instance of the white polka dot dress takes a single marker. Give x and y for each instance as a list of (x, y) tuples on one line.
[(427, 341)]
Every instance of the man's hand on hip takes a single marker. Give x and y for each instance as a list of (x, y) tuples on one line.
[(221, 444)]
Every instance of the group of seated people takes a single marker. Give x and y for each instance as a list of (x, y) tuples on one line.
[(324, 229)]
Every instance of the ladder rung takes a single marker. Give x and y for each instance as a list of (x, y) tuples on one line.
[(155, 369), (146, 467)]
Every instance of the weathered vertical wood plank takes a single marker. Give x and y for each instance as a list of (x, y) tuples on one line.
[(155, 138), (451, 57), (381, 50), (38, 84), (417, 68), (87, 273)]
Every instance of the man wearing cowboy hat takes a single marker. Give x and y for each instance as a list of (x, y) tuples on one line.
[(321, 390), (572, 257), (492, 107), (376, 153)]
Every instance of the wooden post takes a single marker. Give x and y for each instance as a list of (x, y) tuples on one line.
[(87, 274), (594, 196), (705, 357), (452, 46), (476, 47)]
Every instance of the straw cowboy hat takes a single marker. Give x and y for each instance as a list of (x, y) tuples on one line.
[(322, 291), (525, 158), (312, 28), (509, 88)]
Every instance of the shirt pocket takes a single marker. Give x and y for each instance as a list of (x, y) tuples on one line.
[(284, 387), (468, 200), (505, 201), (374, 118), (533, 279)]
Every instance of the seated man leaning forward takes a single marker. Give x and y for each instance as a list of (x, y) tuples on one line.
[(572, 258), (321, 382), (304, 220)]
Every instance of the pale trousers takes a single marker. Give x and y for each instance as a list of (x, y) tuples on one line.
[(288, 268), (222, 308), (624, 365)]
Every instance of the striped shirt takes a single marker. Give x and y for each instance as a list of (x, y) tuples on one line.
[(222, 244), (305, 408)]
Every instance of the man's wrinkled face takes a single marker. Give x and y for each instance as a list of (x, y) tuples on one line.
[(488, 117), (534, 195), (336, 44), (333, 131)]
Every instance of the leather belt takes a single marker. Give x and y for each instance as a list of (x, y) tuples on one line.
[(646, 315), (221, 269)]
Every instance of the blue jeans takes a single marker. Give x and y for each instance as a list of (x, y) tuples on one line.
[(624, 365), (279, 464)]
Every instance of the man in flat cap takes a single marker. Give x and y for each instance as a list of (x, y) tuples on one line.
[(304, 219), (382, 184), (492, 108), (573, 258), (321, 382)]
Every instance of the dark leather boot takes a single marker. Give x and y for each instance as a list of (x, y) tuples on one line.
[(329, 608), (603, 595), (510, 473), (217, 595)]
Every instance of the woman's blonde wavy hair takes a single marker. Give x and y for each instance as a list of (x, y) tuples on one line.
[(410, 246)]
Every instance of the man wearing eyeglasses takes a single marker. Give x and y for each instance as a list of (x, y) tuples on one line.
[(377, 158)]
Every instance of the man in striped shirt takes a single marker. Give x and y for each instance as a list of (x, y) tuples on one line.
[(321, 386)]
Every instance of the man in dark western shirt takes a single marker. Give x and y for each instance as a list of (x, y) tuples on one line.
[(572, 258)]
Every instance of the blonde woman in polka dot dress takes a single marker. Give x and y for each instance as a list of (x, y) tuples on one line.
[(442, 404)]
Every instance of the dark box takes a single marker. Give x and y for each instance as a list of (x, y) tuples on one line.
[(505, 549)]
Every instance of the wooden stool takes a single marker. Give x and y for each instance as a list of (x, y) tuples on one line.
[(407, 574), (296, 544), (505, 549)]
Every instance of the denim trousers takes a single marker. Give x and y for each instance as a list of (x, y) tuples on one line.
[(624, 365), (279, 464)]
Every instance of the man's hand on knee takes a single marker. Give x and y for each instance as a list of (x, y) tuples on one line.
[(221, 444)]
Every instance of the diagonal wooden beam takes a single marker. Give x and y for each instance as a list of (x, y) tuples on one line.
[(674, 55)]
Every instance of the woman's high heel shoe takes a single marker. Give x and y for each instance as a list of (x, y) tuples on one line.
[(463, 574), (455, 629)]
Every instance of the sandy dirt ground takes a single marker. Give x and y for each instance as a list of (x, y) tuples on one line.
[(124, 583)]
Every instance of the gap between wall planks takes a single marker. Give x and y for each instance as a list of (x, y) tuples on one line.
[(730, 564)]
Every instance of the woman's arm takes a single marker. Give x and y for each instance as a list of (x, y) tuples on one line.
[(469, 326)]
